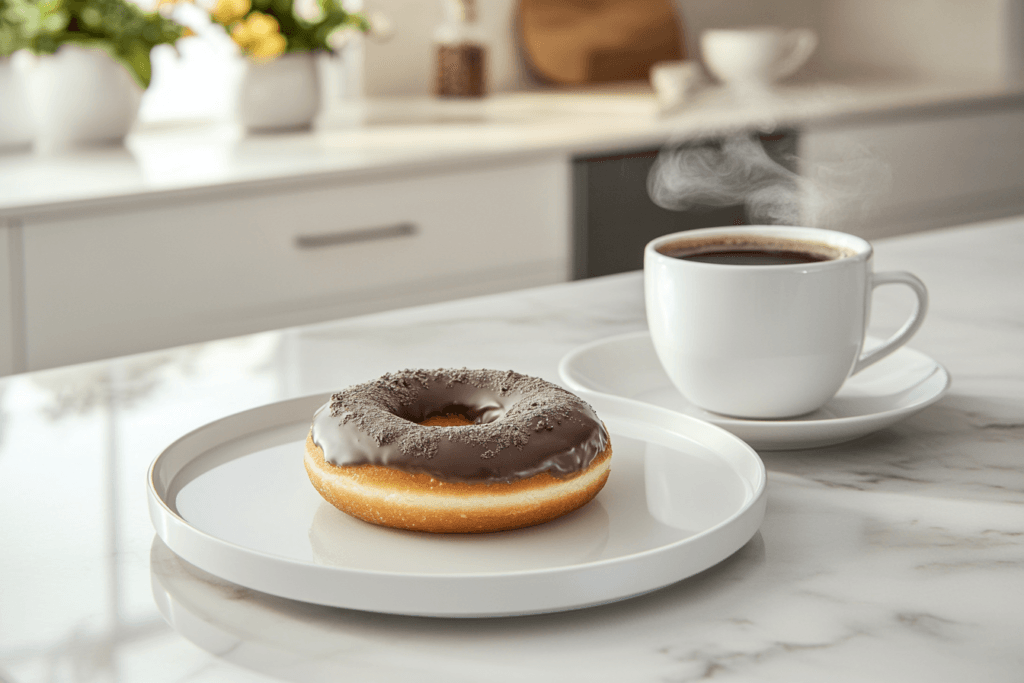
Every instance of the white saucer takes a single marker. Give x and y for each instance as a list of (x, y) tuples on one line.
[(233, 499), (896, 387)]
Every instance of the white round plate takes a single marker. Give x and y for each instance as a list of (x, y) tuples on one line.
[(627, 367), (233, 499)]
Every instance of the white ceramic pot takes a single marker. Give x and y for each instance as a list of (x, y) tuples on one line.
[(81, 96), (282, 94), (15, 123)]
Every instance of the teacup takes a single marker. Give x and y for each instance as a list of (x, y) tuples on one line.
[(675, 82), (765, 322), (756, 57)]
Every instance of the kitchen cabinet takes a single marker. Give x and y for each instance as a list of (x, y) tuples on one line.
[(614, 216), (158, 274), (873, 176), (191, 235), (8, 276), (942, 169)]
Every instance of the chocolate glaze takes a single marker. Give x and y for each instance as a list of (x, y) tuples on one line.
[(522, 426)]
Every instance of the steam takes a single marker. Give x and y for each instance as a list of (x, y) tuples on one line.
[(776, 188)]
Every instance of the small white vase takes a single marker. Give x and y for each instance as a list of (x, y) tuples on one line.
[(281, 94), (15, 122), (79, 97)]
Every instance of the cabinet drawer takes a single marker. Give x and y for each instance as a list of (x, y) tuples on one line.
[(113, 284)]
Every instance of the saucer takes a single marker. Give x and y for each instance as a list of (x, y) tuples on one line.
[(627, 367)]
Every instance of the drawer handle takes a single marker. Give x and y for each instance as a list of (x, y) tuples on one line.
[(332, 239)]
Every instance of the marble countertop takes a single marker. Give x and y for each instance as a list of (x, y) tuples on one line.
[(896, 557), (375, 137)]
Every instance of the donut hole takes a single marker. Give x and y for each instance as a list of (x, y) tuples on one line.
[(447, 420), (472, 404), (458, 415)]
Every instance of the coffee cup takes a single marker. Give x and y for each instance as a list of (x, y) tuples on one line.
[(765, 322), (758, 56)]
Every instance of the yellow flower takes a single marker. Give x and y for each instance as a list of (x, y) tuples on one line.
[(241, 34), (268, 48), (227, 11), (259, 37), (261, 24)]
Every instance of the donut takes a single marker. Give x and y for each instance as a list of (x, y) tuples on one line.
[(457, 451)]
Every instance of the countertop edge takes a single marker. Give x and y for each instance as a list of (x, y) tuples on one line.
[(609, 134)]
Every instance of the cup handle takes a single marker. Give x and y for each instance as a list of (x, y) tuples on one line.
[(804, 42), (903, 334)]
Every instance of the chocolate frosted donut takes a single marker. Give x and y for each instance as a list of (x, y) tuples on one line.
[(457, 451)]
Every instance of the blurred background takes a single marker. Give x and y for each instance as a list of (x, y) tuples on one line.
[(189, 171)]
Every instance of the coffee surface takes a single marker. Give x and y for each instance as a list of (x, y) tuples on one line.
[(752, 250), (751, 257)]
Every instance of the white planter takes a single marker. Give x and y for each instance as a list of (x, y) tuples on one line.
[(81, 97), (15, 123), (282, 94)]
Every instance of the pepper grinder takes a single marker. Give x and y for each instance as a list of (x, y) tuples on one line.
[(461, 52)]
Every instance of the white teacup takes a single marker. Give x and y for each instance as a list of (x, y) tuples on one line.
[(675, 82), (756, 57), (765, 341)]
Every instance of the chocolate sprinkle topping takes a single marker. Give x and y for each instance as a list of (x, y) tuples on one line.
[(521, 426)]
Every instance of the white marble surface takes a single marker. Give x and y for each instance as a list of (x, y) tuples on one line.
[(897, 557), (413, 135)]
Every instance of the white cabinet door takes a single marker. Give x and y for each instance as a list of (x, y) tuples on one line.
[(944, 171), (110, 284)]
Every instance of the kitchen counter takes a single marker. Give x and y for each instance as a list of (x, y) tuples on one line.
[(896, 557), (378, 137)]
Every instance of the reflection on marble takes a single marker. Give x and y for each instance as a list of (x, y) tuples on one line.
[(895, 557)]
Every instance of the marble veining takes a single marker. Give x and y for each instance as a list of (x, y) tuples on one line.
[(851, 589), (896, 557)]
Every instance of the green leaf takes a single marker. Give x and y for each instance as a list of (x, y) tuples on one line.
[(121, 28)]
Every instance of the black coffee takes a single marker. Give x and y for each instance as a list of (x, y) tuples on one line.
[(749, 257)]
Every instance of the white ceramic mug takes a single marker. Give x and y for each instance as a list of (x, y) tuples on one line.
[(766, 341), (756, 56)]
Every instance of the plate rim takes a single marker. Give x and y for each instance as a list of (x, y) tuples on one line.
[(725, 421), (192, 544)]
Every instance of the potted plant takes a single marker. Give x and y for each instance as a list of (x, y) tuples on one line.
[(15, 128), (281, 38), (93, 65)]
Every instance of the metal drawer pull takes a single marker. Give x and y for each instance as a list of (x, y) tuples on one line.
[(331, 239)]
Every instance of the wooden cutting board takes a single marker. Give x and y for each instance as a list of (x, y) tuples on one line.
[(575, 42)]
